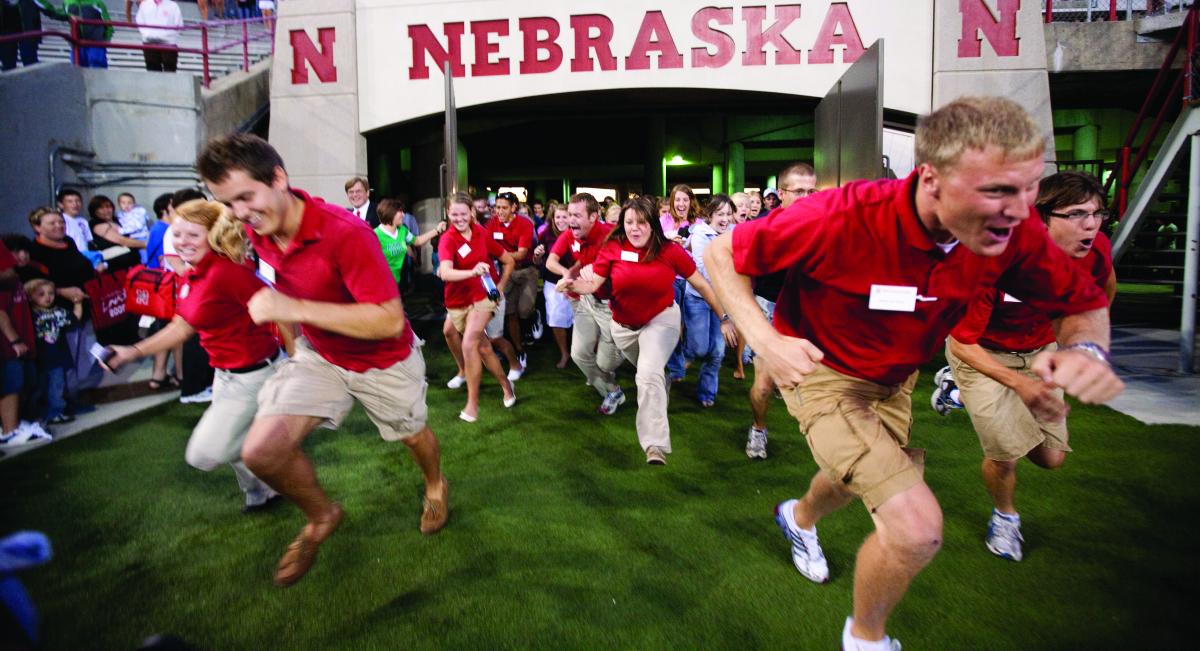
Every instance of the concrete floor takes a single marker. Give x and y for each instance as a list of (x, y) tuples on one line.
[(1155, 391)]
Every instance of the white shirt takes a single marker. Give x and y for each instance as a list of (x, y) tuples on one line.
[(151, 14), (78, 230), (361, 211)]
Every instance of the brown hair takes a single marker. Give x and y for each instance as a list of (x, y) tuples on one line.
[(355, 180), (226, 237), (388, 209), (644, 207), (97, 203), (591, 206), (975, 123), (1067, 189), (693, 206), (239, 151)]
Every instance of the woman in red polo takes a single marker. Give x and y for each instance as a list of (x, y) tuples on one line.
[(641, 263), (212, 302), (466, 252)]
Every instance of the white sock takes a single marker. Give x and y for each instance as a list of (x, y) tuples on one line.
[(1011, 517), (851, 643)]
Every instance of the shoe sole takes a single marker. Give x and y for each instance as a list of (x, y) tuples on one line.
[(1005, 555), (305, 554)]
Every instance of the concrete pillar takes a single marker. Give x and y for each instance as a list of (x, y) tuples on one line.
[(718, 178), (654, 174), (1087, 143), (735, 167)]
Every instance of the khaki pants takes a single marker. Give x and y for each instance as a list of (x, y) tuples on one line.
[(1006, 428), (219, 435), (592, 345), (522, 292), (858, 431), (648, 348)]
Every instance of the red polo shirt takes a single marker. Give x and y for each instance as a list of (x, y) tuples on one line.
[(640, 290), (583, 252), (516, 234), (465, 254), (212, 299), (1000, 321), (335, 258), (844, 241), (15, 303)]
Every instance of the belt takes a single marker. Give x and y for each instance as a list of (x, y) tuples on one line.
[(254, 367), (629, 327)]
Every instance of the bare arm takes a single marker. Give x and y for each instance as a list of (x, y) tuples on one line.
[(1110, 287), (110, 233), (358, 320), (787, 359), (176, 263), (449, 274), (287, 333), (1039, 396), (424, 238), (20, 348), (585, 283), (507, 264), (174, 334)]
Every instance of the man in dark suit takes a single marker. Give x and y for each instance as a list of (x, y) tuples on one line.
[(358, 192)]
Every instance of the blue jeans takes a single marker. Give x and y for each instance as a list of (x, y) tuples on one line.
[(675, 368), (93, 57), (703, 340), (52, 383)]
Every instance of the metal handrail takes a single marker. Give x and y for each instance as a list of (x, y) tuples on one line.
[(205, 52)]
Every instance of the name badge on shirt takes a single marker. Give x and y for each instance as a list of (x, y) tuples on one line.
[(497, 235), (629, 256), (464, 250), (1009, 298), (893, 298), (267, 271), (184, 291), (575, 247)]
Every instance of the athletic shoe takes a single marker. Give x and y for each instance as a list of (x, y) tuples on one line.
[(523, 358), (25, 435), (655, 456), (60, 419), (456, 382), (538, 329), (945, 397), (611, 401), (851, 643), (36, 431), (196, 398), (756, 443), (1004, 536), (806, 549), (942, 374)]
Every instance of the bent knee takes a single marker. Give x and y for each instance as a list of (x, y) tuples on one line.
[(200, 460), (265, 448)]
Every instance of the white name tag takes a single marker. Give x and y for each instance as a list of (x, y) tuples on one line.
[(629, 256), (1009, 298), (464, 250), (893, 298), (497, 236), (575, 247), (184, 291), (145, 321), (266, 271)]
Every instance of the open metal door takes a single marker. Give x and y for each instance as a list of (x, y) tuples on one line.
[(849, 124)]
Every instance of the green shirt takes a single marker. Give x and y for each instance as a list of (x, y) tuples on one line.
[(395, 247), (91, 9)]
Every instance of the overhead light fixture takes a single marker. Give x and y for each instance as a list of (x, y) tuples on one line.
[(677, 160)]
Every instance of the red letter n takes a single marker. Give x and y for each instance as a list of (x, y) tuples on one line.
[(1001, 32), (305, 53), (425, 43)]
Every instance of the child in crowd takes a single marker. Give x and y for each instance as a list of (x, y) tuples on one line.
[(16, 333), (132, 220), (53, 357)]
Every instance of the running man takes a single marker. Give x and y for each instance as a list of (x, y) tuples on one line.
[(592, 345), (331, 279), (880, 271), (520, 296), (991, 353)]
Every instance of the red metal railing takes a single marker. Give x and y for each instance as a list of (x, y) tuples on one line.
[(1113, 14), (205, 51), (1182, 86)]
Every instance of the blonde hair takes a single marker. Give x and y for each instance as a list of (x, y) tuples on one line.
[(35, 284), (976, 123), (226, 237), (613, 214)]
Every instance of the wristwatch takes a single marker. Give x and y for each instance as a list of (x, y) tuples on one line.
[(724, 317), (1093, 349)]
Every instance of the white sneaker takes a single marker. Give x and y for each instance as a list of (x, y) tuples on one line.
[(36, 431), (806, 549), (756, 443), (611, 401), (456, 382), (1004, 536), (514, 374), (851, 643), (197, 398), (24, 434)]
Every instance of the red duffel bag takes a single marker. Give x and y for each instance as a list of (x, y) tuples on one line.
[(150, 292)]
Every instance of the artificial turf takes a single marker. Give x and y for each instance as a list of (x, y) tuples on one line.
[(560, 536)]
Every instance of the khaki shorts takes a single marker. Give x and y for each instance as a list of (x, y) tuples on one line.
[(458, 315), (858, 431), (1006, 428), (310, 385), (521, 292)]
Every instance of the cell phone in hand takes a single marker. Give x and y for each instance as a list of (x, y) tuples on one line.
[(102, 355)]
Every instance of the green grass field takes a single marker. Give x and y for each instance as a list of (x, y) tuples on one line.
[(561, 537)]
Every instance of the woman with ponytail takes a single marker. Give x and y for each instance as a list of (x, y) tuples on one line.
[(212, 301)]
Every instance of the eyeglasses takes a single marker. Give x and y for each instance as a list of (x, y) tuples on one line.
[(802, 192), (1080, 215)]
